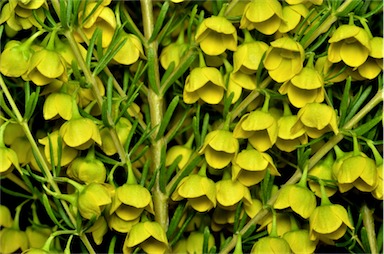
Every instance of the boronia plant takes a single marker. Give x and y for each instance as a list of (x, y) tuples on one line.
[(177, 126)]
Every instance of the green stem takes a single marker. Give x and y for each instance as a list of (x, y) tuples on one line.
[(18, 181), (370, 227), (156, 105), (303, 179), (324, 197)]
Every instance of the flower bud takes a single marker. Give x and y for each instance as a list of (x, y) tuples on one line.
[(15, 59), (216, 34), (172, 53), (87, 170)]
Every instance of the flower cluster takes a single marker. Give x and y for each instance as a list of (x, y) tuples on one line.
[(190, 127)]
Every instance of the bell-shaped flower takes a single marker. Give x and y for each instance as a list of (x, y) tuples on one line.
[(271, 244), (15, 58), (93, 199), (118, 224), (199, 190), (357, 171), (299, 241), (223, 218), (316, 119), (45, 66), (15, 138), (286, 140), (292, 15), (174, 152), (56, 104), (253, 209), (329, 221), (205, 83), (131, 51), (250, 166), (52, 143), (6, 219), (13, 240), (373, 66), (248, 56), (350, 44), (215, 35), (195, 242), (237, 81), (300, 199), (98, 230), (8, 160), (305, 87), (123, 128), (79, 132), (102, 17), (173, 52), (219, 148), (37, 235), (87, 169), (130, 201), (229, 193), (284, 59), (293, 2), (265, 16), (259, 127), (323, 170), (149, 236)]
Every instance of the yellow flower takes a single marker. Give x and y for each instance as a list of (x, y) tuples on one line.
[(45, 66), (350, 44), (176, 151), (8, 160), (284, 59), (272, 245), (219, 148), (253, 209), (37, 235), (328, 221), (93, 199), (15, 58), (373, 66), (229, 193), (195, 240), (172, 53), (215, 35), (237, 81), (131, 51), (305, 87), (286, 140), (299, 241), (292, 2), (223, 218), (87, 170), (316, 119), (263, 15), (6, 219), (13, 240), (148, 235), (123, 128), (98, 230), (292, 15), (199, 190), (323, 170), (68, 154), (80, 133), (15, 138), (378, 191), (299, 198), (248, 56), (332, 72), (103, 18), (357, 171), (205, 83), (120, 225), (56, 104), (130, 201), (250, 166), (259, 127)]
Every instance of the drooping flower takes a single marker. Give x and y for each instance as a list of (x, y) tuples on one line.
[(194, 243), (271, 244), (229, 193), (173, 52), (16, 140), (286, 140), (37, 235), (13, 240), (323, 170), (284, 59), (56, 104), (316, 119), (237, 81), (131, 51), (248, 56), (299, 241), (263, 15), (123, 128), (87, 169), (219, 148), (93, 199), (148, 235), (250, 166), (350, 44), (215, 35), (205, 83), (292, 15), (6, 219), (15, 58), (8, 160), (373, 66), (176, 151), (98, 230)]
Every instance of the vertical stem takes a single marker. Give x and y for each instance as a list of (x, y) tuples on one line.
[(156, 105), (370, 227)]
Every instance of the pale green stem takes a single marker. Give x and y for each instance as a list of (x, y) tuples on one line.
[(274, 224), (370, 227), (156, 107)]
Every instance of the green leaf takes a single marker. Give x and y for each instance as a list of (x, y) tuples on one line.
[(207, 234), (175, 220), (48, 209), (364, 240), (160, 20), (364, 128), (172, 168), (151, 70), (167, 117), (95, 36), (380, 239), (112, 245), (345, 101), (191, 213), (357, 102), (144, 172)]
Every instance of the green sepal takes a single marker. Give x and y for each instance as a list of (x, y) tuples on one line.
[(160, 20), (167, 117)]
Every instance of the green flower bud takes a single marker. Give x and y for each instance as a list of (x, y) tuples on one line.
[(316, 119), (265, 16), (216, 34), (148, 235), (328, 221), (87, 170), (259, 127), (349, 44), (270, 244), (299, 241), (250, 166), (284, 59), (299, 198), (93, 199), (15, 59), (131, 51), (205, 83), (199, 190), (219, 148)]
